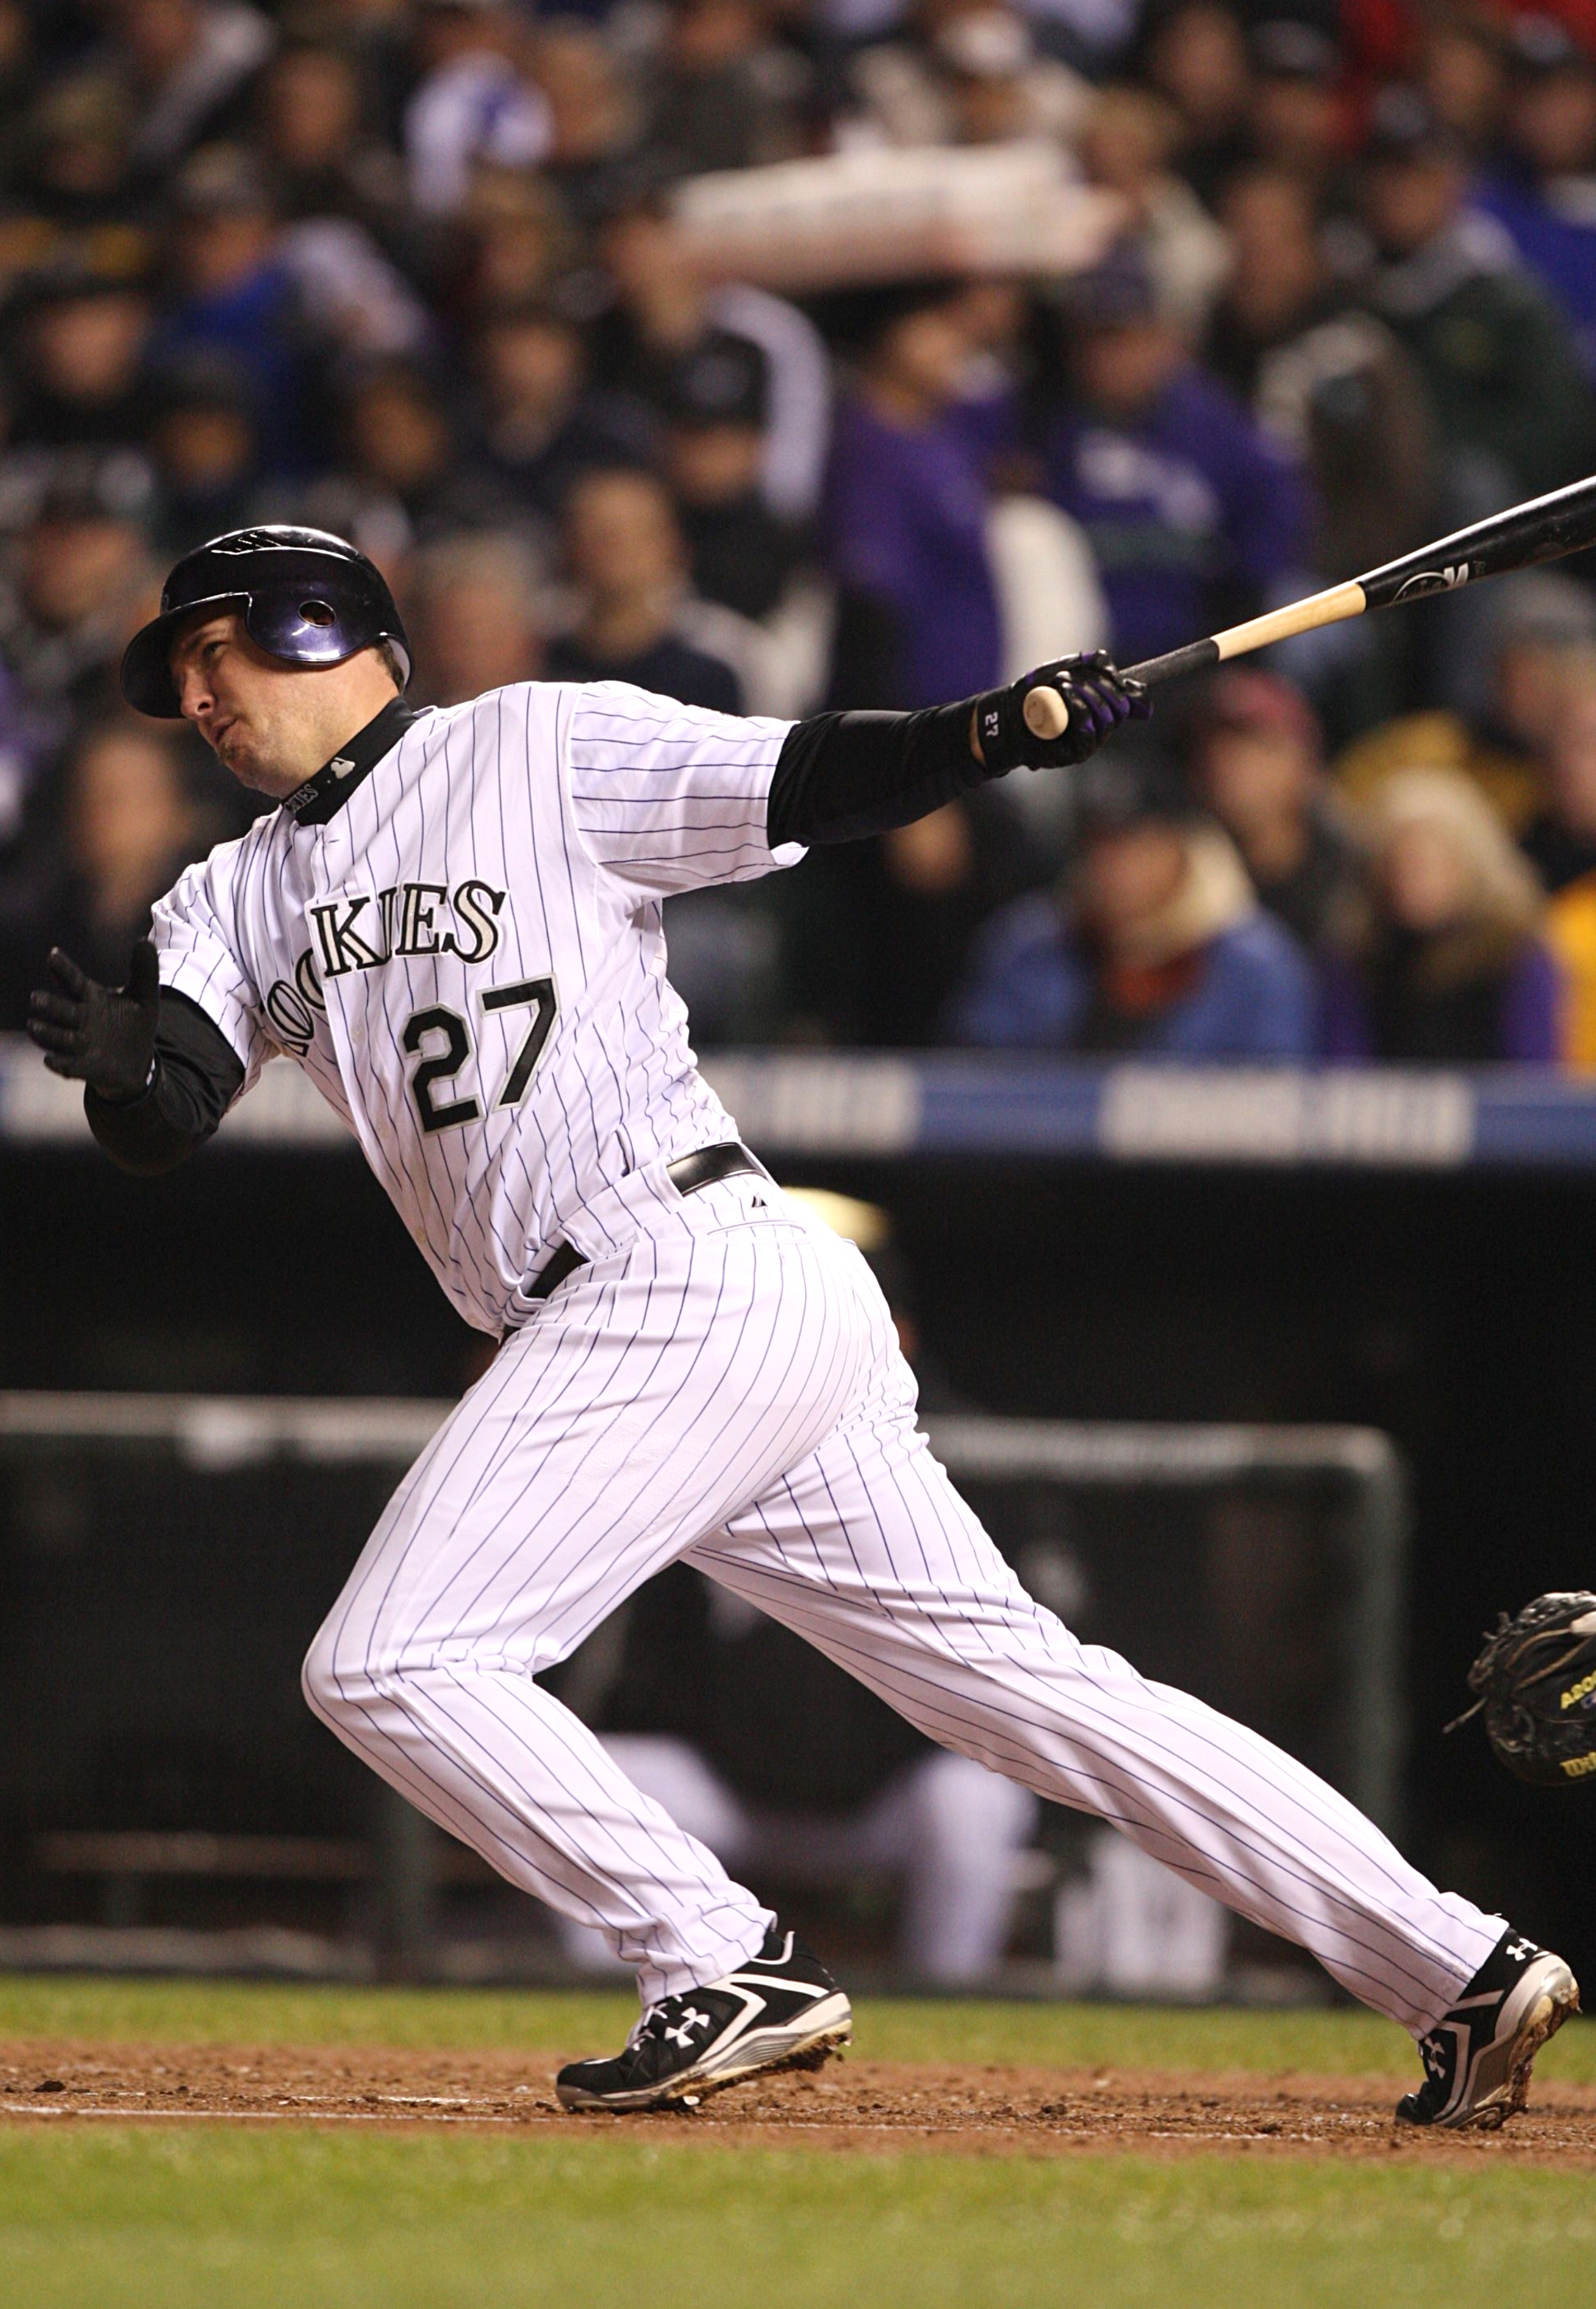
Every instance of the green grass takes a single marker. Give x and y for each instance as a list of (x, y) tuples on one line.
[(145, 2220), (107, 2216), (1033, 2035)]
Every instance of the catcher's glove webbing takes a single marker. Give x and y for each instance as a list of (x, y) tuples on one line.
[(1535, 1680)]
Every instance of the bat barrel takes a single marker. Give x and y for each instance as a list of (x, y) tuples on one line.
[(1543, 530)]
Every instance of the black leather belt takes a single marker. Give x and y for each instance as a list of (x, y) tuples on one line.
[(704, 1168)]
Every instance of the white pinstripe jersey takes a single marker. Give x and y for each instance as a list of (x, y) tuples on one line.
[(467, 958)]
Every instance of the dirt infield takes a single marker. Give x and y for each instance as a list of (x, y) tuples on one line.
[(855, 2104)]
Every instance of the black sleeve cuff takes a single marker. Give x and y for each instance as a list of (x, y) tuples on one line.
[(842, 776)]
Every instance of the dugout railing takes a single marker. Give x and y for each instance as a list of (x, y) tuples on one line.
[(164, 1561)]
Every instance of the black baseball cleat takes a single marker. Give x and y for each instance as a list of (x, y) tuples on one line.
[(779, 2010), (1477, 2058)]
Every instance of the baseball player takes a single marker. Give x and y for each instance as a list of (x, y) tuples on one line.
[(452, 921)]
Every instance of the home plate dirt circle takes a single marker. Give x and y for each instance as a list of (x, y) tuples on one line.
[(860, 2105)]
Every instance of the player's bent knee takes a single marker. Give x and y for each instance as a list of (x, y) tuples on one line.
[(342, 1682)]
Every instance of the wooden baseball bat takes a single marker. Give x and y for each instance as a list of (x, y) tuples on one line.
[(1542, 530)]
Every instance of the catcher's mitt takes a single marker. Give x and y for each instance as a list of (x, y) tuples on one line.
[(1536, 1682)]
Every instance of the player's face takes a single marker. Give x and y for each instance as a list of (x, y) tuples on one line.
[(263, 720)]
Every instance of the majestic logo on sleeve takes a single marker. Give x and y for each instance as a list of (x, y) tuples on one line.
[(363, 930)]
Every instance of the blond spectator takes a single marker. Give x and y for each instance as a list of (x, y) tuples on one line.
[(1560, 840), (1448, 965), (1540, 619)]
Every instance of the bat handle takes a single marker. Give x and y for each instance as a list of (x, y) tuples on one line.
[(1046, 715), (1195, 658)]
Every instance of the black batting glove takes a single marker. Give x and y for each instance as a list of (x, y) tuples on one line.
[(101, 1035), (1095, 693)]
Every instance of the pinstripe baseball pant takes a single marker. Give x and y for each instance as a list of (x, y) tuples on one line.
[(729, 1390)]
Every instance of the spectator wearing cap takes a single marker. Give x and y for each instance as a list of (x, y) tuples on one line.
[(1196, 517), (203, 444), (1539, 617), (1155, 945), (633, 617), (1257, 760), (1513, 407), (1448, 965), (191, 64), (1544, 191), (543, 423), (474, 102), (908, 539), (1298, 115), (662, 307), (908, 500), (75, 587), (740, 553), (84, 333), (234, 295), (627, 567)]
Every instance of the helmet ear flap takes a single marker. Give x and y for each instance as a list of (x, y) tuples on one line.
[(300, 625)]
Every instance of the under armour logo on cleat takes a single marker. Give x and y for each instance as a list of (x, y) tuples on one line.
[(1517, 1950), (682, 2034)]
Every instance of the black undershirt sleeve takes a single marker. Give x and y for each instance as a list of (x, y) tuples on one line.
[(197, 1076), (842, 776)]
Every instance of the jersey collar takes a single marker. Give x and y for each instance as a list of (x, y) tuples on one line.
[(316, 801)]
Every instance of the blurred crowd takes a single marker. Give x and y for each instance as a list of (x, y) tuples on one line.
[(416, 270)]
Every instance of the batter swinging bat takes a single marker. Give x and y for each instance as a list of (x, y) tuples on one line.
[(1541, 530)]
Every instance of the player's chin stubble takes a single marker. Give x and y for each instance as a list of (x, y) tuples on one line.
[(248, 754)]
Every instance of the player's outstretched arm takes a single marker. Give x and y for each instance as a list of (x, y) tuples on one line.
[(158, 1074), (842, 776)]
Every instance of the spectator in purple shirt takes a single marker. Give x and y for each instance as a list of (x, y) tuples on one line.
[(1448, 965), (906, 505), (1544, 189), (1196, 517)]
